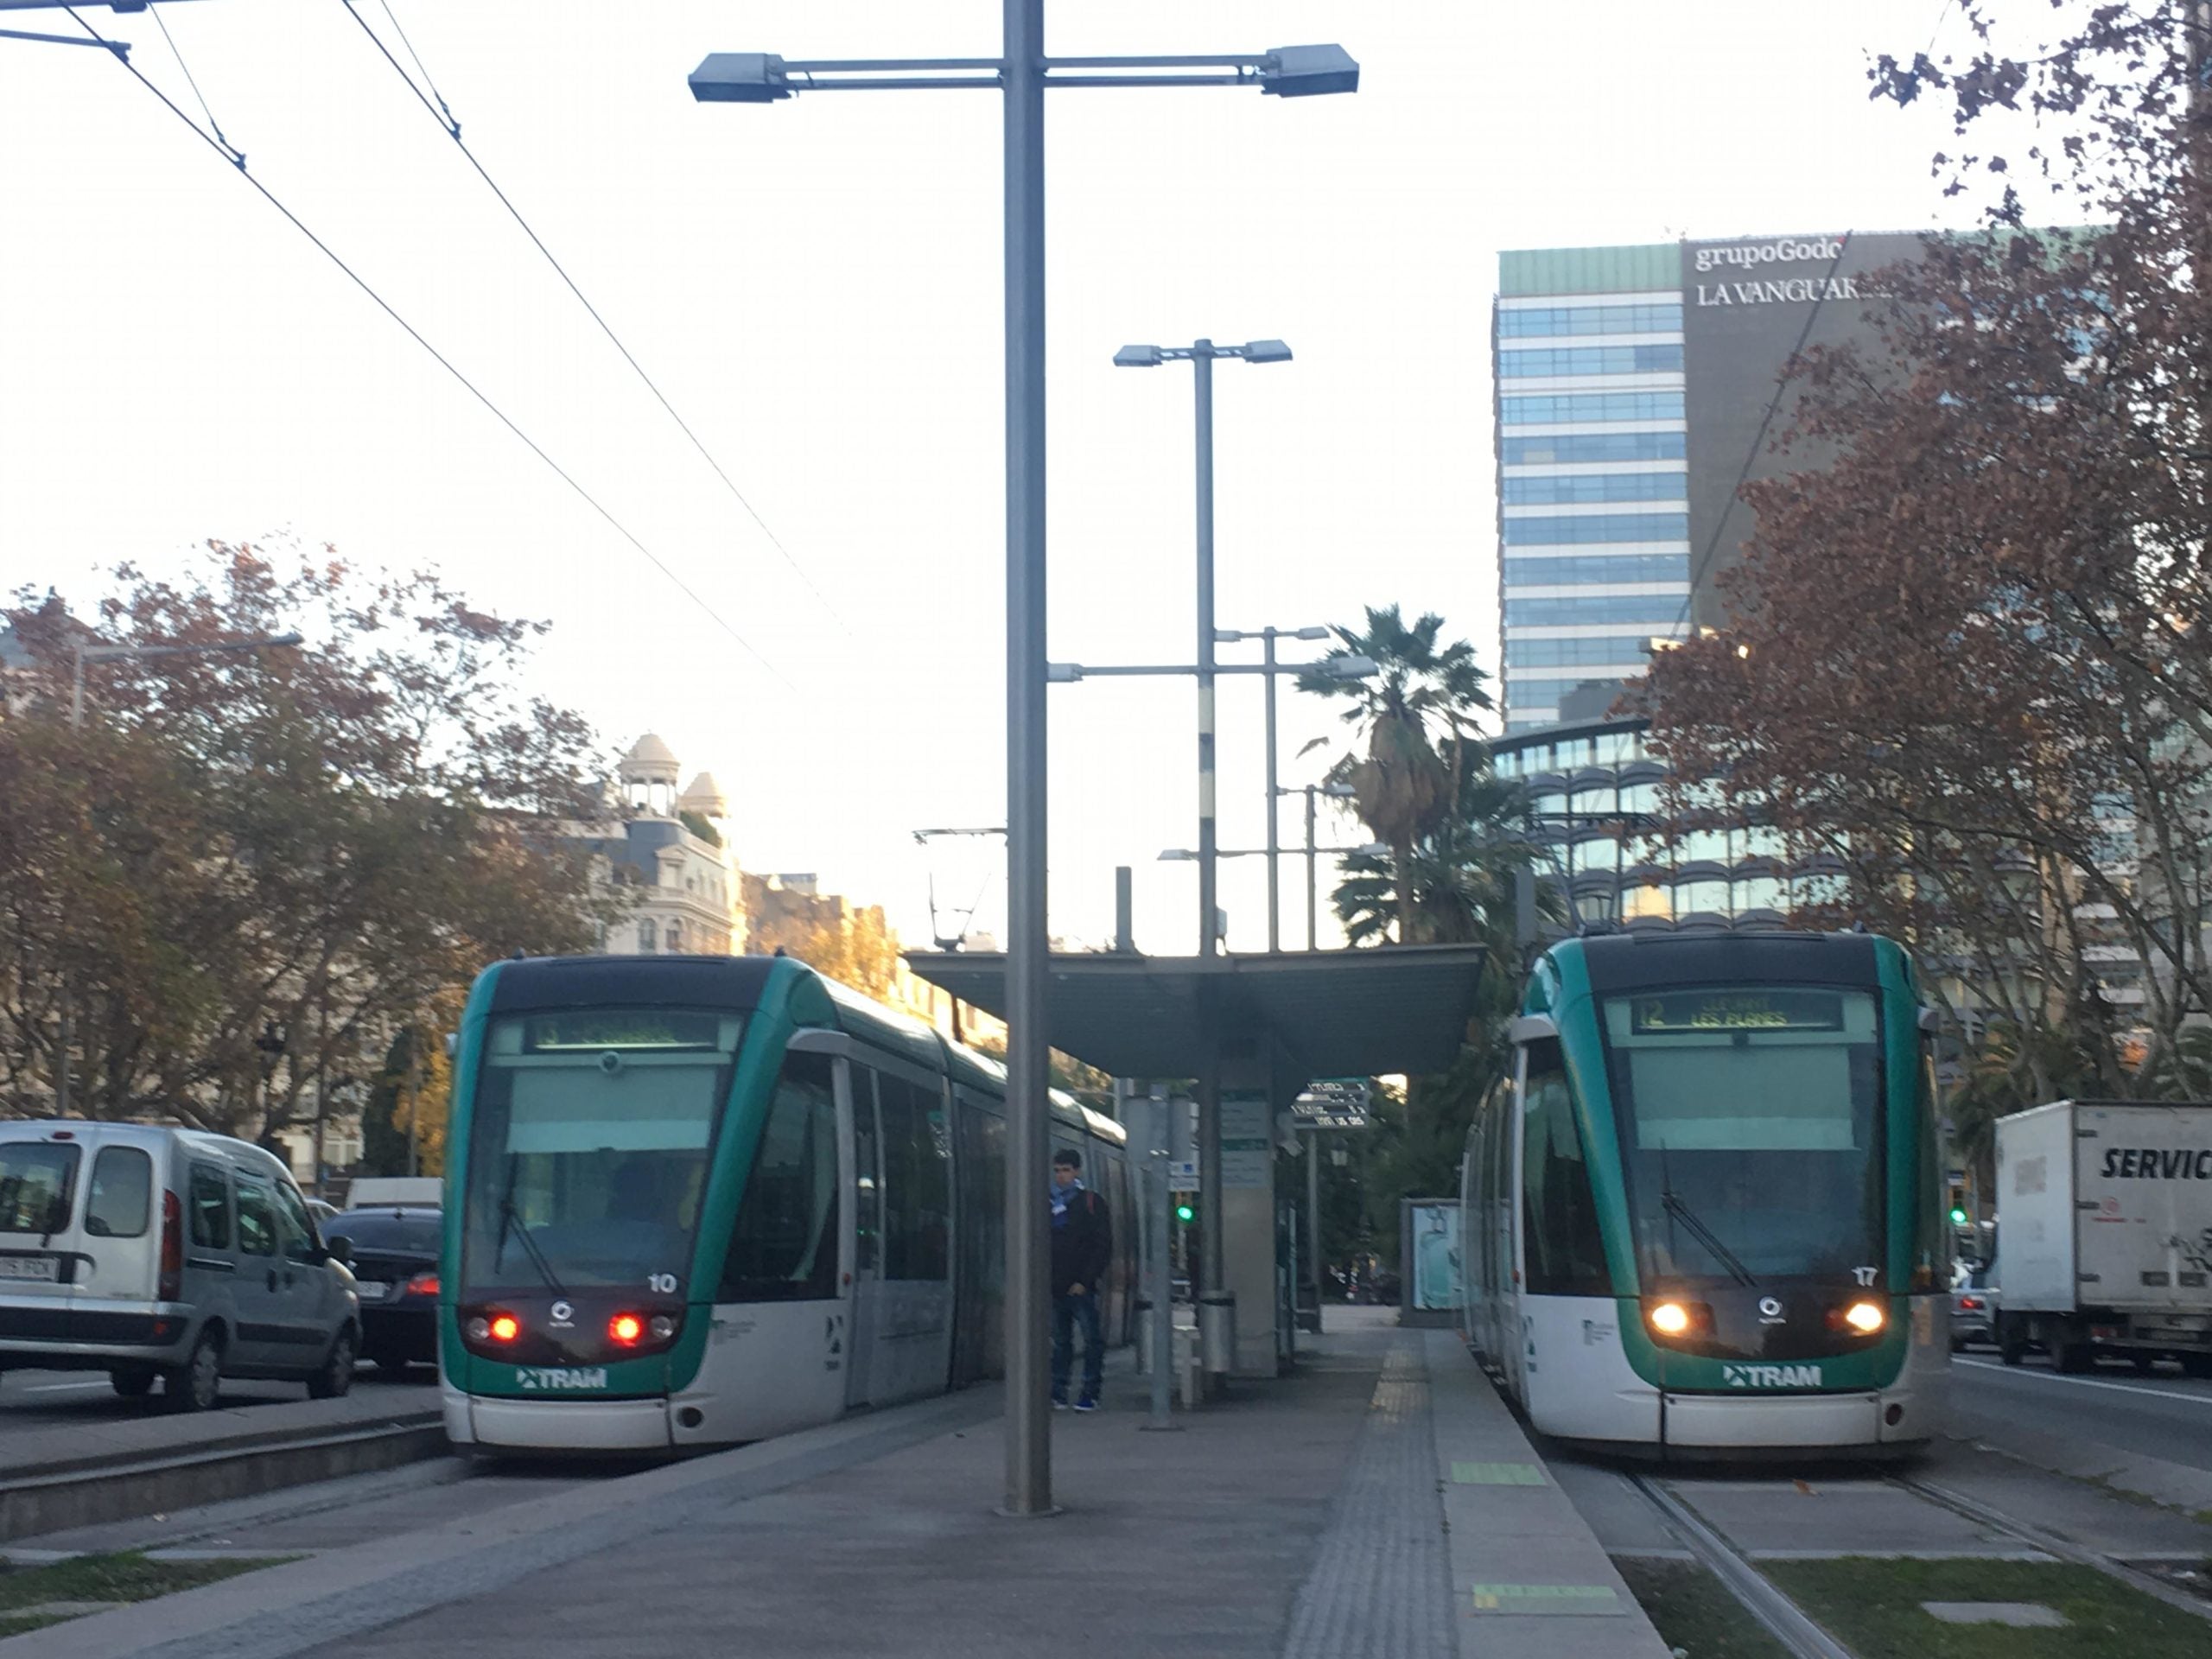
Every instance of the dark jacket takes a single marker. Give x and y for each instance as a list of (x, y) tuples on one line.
[(1082, 1249)]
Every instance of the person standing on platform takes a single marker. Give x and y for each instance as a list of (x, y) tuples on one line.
[(1082, 1243)]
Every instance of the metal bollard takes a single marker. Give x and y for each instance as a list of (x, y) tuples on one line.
[(1143, 1316)]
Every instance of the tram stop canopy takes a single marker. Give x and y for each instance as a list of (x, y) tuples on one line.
[(1313, 1014)]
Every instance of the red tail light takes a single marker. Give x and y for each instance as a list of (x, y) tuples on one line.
[(422, 1284), (624, 1329), (1966, 1302), (505, 1328), (172, 1283)]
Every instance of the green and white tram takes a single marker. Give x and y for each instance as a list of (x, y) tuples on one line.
[(1703, 1208), (697, 1200)]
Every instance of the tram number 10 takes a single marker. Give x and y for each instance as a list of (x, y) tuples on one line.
[(662, 1284)]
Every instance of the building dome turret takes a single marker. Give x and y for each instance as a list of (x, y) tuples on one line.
[(648, 775), (704, 795)]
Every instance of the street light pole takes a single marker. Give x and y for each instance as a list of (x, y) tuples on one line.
[(1275, 880), (1028, 1296), (1209, 877), (1021, 73), (1312, 876)]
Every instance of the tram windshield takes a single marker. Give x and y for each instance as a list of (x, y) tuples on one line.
[(589, 1146), (1751, 1128)]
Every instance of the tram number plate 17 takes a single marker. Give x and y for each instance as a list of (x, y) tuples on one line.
[(533, 1378)]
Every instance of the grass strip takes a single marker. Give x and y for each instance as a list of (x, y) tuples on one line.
[(125, 1576), (1873, 1608), (1693, 1612)]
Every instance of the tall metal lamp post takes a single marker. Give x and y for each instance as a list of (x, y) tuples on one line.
[(84, 654), (1021, 73)]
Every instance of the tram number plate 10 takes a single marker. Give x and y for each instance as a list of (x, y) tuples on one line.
[(533, 1378)]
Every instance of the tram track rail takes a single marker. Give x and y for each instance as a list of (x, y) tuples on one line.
[(1789, 1624), (1783, 1618), (2052, 1543)]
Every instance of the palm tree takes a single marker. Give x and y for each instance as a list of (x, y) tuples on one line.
[(1413, 719)]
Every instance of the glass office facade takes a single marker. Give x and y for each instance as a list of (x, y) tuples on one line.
[(1594, 796), (1593, 533)]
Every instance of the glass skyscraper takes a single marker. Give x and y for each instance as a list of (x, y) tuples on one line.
[(1594, 484)]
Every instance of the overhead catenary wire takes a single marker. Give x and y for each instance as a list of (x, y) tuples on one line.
[(237, 156), (443, 116), (444, 362)]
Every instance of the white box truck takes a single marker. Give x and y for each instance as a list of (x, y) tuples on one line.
[(2104, 1230)]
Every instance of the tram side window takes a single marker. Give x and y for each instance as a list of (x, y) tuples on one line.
[(868, 1190), (917, 1179), (783, 1247), (1566, 1254)]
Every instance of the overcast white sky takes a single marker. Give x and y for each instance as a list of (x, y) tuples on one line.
[(815, 286)]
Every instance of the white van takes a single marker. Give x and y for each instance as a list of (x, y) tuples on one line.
[(165, 1253)]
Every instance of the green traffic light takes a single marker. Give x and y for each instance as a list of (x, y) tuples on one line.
[(1958, 1217), (1183, 1212)]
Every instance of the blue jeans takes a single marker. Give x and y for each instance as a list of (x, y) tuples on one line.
[(1066, 1311)]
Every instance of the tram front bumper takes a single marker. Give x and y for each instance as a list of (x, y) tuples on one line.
[(556, 1425), (1723, 1421)]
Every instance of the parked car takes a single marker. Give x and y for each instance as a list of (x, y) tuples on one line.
[(393, 1253), (169, 1256), (1974, 1307)]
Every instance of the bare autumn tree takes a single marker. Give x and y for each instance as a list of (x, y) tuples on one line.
[(243, 873), (1969, 648)]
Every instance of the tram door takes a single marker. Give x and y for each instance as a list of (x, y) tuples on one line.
[(856, 1104), (902, 1276)]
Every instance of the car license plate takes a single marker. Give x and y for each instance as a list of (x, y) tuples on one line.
[(47, 1267), (373, 1290)]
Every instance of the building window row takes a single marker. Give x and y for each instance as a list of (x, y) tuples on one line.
[(1604, 571), (1588, 449), (1566, 530), (1576, 409), (1568, 753), (1658, 609), (1578, 489), (1649, 317), (1565, 653), (1589, 359), (1522, 693)]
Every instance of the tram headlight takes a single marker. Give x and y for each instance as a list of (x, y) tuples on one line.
[(1669, 1318), (662, 1327), (1865, 1318)]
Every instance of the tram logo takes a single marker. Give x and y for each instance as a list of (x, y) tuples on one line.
[(1771, 1377), (532, 1378), (1770, 1310)]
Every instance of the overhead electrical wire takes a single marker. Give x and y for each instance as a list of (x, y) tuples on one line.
[(443, 116), (222, 148), (237, 156)]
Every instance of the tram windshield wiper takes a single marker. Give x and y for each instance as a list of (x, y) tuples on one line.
[(509, 1221), (1728, 1258)]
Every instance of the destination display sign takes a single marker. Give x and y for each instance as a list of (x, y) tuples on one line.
[(624, 1028), (1659, 1014)]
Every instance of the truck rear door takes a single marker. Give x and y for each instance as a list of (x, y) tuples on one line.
[(2145, 1206)]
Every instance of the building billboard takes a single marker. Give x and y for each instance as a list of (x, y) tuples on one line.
[(1748, 305)]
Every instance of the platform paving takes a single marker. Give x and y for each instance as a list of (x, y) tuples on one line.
[(1302, 1517)]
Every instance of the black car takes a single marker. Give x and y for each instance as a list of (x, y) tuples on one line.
[(395, 1261)]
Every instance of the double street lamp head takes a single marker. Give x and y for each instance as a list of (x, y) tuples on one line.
[(1151, 357)]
